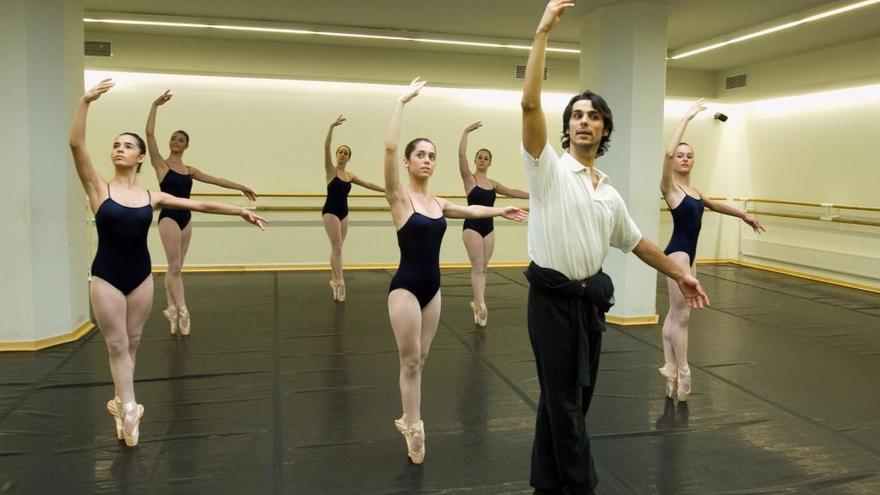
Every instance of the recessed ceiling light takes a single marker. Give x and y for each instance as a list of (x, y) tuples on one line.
[(774, 29), (257, 29)]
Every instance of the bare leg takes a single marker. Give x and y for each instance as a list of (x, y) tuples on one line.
[(675, 327), (109, 306), (333, 226), (475, 246), (139, 303), (488, 249)]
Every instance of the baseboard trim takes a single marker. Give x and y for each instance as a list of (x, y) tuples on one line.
[(307, 267), (36, 345), (808, 276), (627, 321)]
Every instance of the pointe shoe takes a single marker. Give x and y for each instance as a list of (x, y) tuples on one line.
[(684, 385), (183, 320), (114, 407), (482, 315), (476, 313), (171, 314), (340, 291), (670, 372), (334, 286), (412, 432), (132, 413)]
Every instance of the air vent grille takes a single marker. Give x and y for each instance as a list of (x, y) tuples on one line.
[(520, 72), (733, 82), (98, 49)]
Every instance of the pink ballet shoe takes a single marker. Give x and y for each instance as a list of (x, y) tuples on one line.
[(171, 315), (670, 372), (476, 313), (132, 413), (183, 320), (412, 433), (684, 384), (114, 407), (482, 315)]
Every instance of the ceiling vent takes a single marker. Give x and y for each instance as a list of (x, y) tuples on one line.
[(98, 49), (520, 72), (733, 82)]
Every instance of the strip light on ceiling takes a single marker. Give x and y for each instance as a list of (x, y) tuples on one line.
[(774, 29), (257, 29)]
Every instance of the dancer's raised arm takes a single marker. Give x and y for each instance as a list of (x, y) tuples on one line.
[(534, 125), (92, 183), (156, 158), (393, 188), (464, 168), (667, 181), (329, 166)]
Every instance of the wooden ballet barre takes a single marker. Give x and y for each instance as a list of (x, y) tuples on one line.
[(816, 218)]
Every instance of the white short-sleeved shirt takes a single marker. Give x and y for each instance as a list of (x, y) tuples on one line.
[(572, 225)]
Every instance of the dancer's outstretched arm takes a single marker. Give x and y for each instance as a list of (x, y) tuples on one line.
[(509, 192), (367, 184), (166, 200), (219, 181), (91, 182), (648, 252), (534, 125), (452, 210), (726, 209)]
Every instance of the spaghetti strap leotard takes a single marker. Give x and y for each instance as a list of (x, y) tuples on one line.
[(419, 270), (337, 198), (122, 258), (686, 220), (483, 197), (180, 185)]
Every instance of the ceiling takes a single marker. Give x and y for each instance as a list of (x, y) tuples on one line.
[(691, 22)]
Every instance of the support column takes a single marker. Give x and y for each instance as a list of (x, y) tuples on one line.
[(44, 294), (623, 58)]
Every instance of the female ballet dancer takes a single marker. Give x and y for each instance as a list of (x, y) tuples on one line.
[(175, 228), (686, 206), (121, 289), (335, 211), (414, 294), (479, 235)]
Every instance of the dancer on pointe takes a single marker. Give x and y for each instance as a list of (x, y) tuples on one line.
[(121, 289), (686, 205), (479, 235), (575, 216), (414, 294), (335, 211), (175, 228)]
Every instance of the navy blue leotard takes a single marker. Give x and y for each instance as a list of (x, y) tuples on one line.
[(419, 270), (337, 198), (686, 220), (483, 197), (122, 258), (180, 185)]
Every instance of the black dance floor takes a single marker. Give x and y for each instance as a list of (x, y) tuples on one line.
[(280, 390)]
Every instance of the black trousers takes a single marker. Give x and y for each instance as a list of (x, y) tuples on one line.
[(561, 453)]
